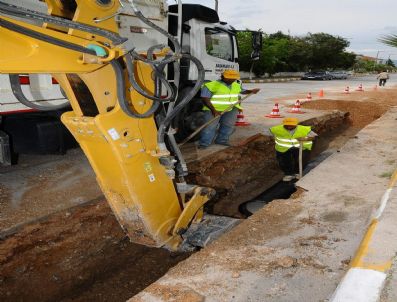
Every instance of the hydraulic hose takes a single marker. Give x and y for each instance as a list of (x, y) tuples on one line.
[(45, 38), (24, 13), (18, 93), (140, 90), (185, 100), (150, 51), (123, 102), (182, 163)]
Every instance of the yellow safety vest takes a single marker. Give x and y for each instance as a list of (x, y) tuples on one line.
[(223, 96), (284, 140)]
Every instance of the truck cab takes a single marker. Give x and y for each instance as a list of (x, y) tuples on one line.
[(203, 35), (207, 38)]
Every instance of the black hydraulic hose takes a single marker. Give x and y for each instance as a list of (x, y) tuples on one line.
[(200, 80), (45, 38), (151, 50), (167, 60), (18, 93), (123, 102), (139, 89), (182, 163), (24, 13)]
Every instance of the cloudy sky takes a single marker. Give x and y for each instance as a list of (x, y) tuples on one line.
[(360, 21)]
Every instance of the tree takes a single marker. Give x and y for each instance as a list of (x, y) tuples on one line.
[(281, 52), (390, 40), (327, 51), (390, 63)]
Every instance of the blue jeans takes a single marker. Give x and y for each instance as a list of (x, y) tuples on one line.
[(226, 126)]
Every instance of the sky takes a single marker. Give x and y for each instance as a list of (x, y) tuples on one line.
[(362, 22)]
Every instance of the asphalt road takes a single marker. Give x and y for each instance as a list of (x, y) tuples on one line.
[(270, 91)]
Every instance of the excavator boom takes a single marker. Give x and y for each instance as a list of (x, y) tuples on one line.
[(114, 94)]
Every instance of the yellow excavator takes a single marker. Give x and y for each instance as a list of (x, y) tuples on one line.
[(114, 93)]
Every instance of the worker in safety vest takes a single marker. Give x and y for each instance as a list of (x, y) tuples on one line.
[(287, 138), (218, 96)]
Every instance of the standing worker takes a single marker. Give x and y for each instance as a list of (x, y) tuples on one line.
[(218, 96), (287, 138), (383, 77)]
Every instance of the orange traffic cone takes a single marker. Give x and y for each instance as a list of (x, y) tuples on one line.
[(347, 90), (297, 108), (241, 120), (275, 112), (309, 97), (321, 93), (360, 88)]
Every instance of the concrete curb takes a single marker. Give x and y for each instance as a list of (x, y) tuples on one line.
[(369, 268), (271, 80)]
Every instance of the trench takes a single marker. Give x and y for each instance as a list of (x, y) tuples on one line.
[(81, 254), (357, 116)]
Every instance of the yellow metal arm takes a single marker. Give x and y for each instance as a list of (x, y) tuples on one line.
[(123, 151)]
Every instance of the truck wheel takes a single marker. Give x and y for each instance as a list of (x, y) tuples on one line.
[(189, 118)]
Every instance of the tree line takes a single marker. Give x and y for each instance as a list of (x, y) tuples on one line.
[(286, 53)]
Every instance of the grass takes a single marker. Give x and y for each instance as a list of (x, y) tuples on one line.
[(386, 175)]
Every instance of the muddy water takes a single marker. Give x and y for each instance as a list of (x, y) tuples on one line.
[(77, 255)]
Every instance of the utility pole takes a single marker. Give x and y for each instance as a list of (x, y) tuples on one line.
[(377, 55)]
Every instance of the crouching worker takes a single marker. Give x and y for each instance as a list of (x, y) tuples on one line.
[(219, 96), (288, 137)]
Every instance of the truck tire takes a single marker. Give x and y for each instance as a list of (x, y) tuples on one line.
[(189, 118)]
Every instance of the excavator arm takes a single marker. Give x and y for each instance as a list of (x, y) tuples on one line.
[(112, 118)]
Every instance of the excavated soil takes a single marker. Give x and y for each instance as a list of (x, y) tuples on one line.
[(80, 254)]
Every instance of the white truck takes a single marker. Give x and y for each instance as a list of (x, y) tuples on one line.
[(200, 32)]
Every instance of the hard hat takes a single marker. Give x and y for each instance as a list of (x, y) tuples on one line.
[(290, 121), (231, 74)]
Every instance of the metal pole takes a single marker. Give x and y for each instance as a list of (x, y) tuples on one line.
[(300, 159), (376, 61), (179, 38), (252, 67), (216, 5)]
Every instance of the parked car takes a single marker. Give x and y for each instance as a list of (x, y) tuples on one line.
[(317, 75), (339, 75)]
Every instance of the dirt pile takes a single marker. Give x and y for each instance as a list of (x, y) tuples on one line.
[(360, 113)]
